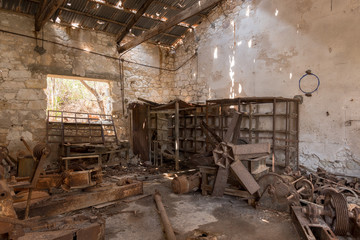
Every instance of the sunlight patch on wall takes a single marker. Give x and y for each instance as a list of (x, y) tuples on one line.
[(216, 53), (250, 43), (276, 12), (247, 11), (232, 74)]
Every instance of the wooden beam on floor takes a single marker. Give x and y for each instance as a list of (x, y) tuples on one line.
[(46, 10), (187, 13), (72, 201), (133, 20)]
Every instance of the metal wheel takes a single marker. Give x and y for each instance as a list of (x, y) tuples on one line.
[(308, 189), (267, 179), (40, 149), (223, 155), (336, 212)]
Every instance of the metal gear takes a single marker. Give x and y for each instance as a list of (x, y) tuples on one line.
[(336, 212), (223, 155)]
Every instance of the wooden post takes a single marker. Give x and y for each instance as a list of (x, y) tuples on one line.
[(250, 123), (156, 143), (148, 119), (177, 123)]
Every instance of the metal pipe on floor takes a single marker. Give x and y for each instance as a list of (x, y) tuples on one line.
[(169, 232)]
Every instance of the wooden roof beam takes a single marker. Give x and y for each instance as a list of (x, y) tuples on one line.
[(187, 13), (133, 20), (47, 8)]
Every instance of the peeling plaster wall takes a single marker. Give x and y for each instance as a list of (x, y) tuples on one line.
[(23, 74), (268, 48)]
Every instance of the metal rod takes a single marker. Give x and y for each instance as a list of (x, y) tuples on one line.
[(274, 125), (169, 232), (297, 134), (28, 201)]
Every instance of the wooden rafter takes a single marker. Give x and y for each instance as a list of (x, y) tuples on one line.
[(187, 13), (47, 8), (133, 20)]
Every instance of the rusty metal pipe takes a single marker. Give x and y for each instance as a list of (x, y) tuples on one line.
[(169, 232)]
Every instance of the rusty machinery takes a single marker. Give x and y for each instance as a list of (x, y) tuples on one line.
[(79, 227), (315, 221), (279, 192)]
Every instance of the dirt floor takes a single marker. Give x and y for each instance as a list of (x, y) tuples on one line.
[(194, 216)]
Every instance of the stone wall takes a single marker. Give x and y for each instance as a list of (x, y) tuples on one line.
[(23, 74), (262, 48)]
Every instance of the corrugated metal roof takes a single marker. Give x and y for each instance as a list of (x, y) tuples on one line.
[(112, 15)]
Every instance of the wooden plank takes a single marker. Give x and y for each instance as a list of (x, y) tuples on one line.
[(63, 203), (187, 13), (133, 20), (46, 11), (244, 177)]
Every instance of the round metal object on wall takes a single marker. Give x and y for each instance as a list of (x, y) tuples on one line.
[(308, 73), (39, 149), (338, 215)]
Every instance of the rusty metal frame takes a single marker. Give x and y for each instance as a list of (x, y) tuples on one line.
[(100, 127), (289, 136)]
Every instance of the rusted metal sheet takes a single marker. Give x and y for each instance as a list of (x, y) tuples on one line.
[(234, 125), (220, 181), (78, 200), (244, 177)]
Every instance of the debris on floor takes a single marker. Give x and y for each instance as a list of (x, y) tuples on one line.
[(94, 189)]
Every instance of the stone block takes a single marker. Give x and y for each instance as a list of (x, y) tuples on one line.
[(19, 74), (30, 94), (9, 96), (37, 105), (12, 85), (36, 83)]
